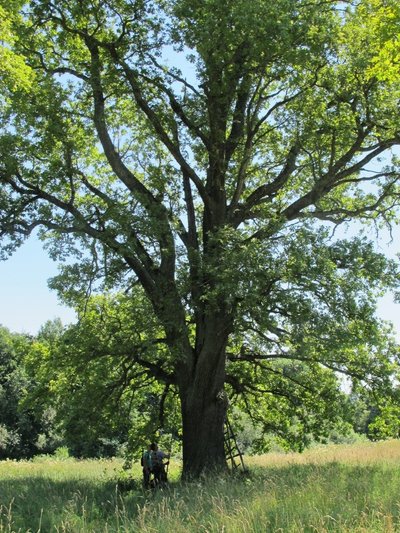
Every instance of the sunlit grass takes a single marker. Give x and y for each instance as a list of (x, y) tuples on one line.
[(360, 453), (354, 488)]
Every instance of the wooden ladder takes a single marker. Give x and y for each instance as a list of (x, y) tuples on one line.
[(232, 451)]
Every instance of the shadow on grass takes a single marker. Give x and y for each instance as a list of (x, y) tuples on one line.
[(44, 504)]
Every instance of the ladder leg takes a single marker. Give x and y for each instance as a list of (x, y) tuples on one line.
[(231, 446)]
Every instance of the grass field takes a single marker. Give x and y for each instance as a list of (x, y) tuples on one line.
[(334, 488)]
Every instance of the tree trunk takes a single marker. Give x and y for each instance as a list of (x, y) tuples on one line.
[(203, 435), (204, 406)]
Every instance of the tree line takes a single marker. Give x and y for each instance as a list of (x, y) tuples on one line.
[(56, 392)]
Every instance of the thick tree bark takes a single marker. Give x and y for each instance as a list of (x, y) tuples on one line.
[(204, 406), (203, 419), (203, 438)]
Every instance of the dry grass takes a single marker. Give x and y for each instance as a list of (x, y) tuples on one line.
[(359, 454)]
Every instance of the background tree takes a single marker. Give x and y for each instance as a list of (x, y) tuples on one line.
[(204, 182), (24, 431)]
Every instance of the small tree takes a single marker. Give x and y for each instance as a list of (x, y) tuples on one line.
[(204, 182)]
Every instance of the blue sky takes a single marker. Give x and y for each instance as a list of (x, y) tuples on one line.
[(26, 302)]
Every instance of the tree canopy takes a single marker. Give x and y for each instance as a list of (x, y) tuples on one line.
[(195, 155)]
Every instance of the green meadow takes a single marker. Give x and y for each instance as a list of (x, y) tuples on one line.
[(346, 488)]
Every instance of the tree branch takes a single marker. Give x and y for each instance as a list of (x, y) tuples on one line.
[(156, 123)]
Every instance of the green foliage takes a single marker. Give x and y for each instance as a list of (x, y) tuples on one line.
[(319, 306), (386, 424), (23, 430), (14, 72), (93, 374)]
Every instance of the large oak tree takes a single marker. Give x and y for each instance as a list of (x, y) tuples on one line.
[(199, 149)]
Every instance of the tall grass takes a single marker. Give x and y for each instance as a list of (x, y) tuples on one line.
[(334, 488)]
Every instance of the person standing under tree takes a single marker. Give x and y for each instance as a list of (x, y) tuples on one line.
[(157, 464)]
